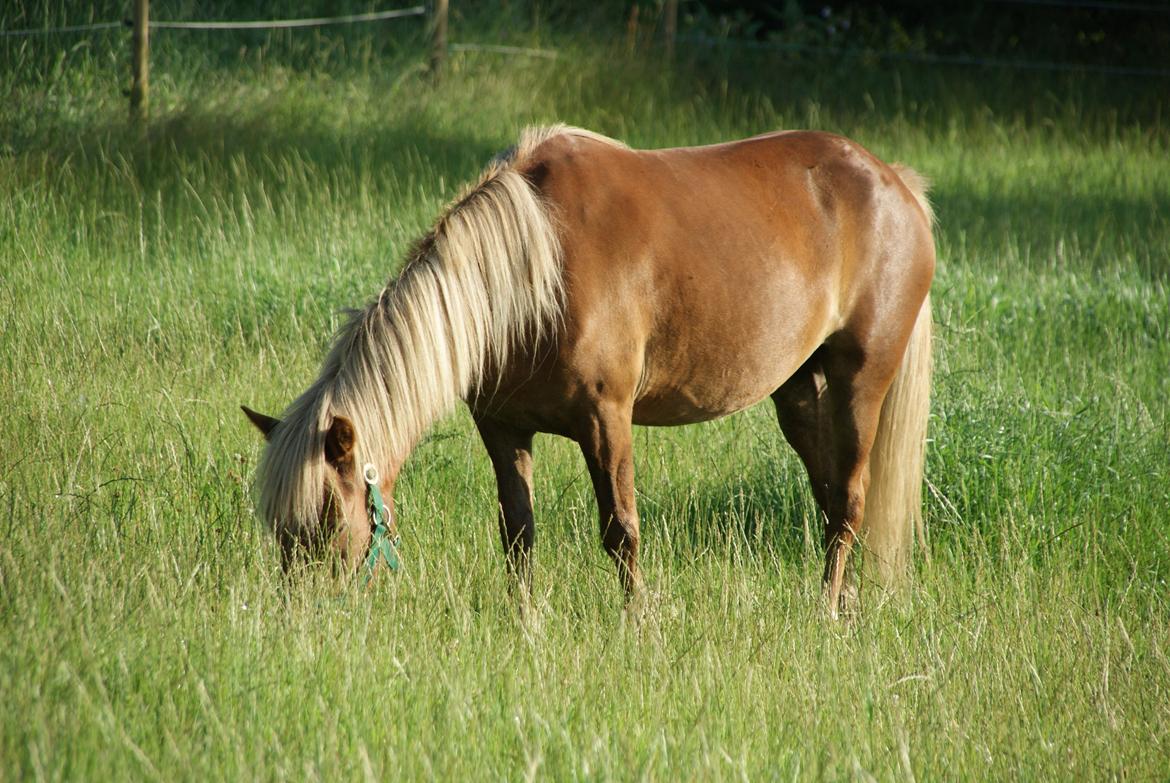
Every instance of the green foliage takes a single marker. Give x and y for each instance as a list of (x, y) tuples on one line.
[(153, 281)]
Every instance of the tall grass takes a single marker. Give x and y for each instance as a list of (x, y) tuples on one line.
[(153, 282)]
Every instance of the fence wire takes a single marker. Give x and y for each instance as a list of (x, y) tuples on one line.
[(73, 28), (278, 24), (267, 24)]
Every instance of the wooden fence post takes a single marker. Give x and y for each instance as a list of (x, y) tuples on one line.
[(140, 85), (439, 42), (670, 27)]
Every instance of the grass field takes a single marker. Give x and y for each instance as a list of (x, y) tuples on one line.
[(148, 286)]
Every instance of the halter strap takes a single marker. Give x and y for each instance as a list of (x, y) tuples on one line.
[(383, 546)]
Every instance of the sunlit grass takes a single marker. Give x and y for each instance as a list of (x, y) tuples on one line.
[(152, 283)]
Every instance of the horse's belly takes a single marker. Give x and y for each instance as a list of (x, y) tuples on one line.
[(706, 362), (670, 407), (704, 383)]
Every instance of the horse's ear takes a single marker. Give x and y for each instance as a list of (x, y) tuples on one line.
[(263, 423), (339, 441)]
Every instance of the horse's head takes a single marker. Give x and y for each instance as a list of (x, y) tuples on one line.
[(315, 495)]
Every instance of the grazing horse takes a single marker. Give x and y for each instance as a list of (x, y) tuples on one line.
[(581, 287)]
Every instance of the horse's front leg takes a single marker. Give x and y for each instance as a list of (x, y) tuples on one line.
[(510, 450), (606, 440)]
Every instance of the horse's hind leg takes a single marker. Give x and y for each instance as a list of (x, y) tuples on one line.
[(801, 408), (804, 408), (510, 450), (606, 441), (857, 382)]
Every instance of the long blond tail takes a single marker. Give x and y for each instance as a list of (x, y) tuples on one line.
[(893, 506)]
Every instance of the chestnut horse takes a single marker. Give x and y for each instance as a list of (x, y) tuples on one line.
[(581, 287)]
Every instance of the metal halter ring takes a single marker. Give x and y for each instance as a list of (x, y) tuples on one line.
[(370, 474)]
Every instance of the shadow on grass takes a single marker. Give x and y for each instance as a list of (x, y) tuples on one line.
[(364, 147), (1050, 228), (241, 141), (766, 510)]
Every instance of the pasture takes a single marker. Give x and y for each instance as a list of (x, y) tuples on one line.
[(151, 282)]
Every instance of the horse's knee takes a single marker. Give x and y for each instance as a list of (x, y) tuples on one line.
[(516, 534), (620, 537)]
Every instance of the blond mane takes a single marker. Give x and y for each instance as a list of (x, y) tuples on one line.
[(486, 277)]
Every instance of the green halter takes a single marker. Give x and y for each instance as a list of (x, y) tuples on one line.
[(383, 547)]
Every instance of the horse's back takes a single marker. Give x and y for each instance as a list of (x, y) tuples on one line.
[(699, 279)]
